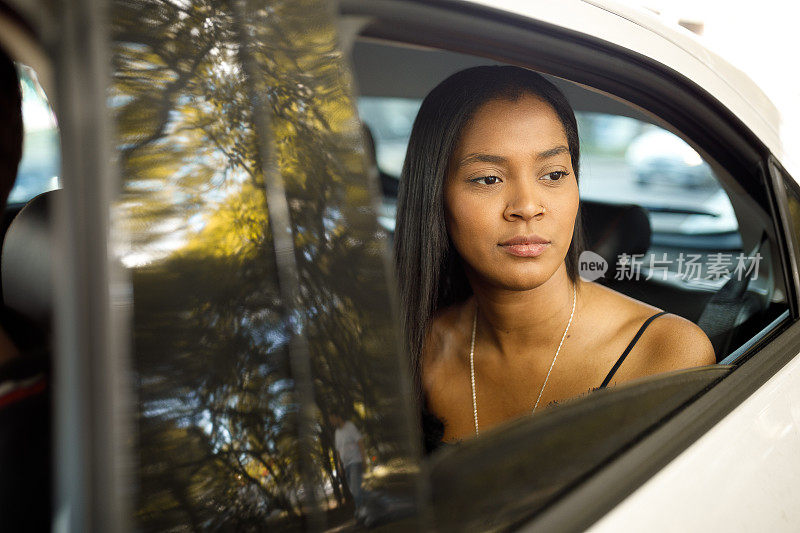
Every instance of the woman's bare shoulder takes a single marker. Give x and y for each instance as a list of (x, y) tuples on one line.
[(670, 342), (676, 342)]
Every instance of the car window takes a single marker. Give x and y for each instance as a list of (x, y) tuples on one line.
[(626, 160), (40, 167), (261, 306), (668, 226), (788, 191)]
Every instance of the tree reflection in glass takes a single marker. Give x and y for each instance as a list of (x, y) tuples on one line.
[(231, 432)]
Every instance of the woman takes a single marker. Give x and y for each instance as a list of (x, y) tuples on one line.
[(498, 322)]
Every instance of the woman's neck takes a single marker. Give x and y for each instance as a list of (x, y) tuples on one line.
[(518, 322)]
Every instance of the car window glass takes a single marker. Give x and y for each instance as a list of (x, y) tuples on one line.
[(261, 304), (40, 167), (669, 227), (793, 201), (626, 160), (792, 195)]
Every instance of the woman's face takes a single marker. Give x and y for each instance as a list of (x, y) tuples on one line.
[(510, 193)]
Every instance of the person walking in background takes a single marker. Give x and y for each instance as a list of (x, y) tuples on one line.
[(351, 456)]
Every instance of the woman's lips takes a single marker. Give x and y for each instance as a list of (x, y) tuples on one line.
[(526, 250), (526, 245)]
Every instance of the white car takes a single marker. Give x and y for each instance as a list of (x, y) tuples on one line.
[(660, 156), (221, 283)]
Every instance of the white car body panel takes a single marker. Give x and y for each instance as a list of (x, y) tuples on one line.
[(673, 47), (742, 475)]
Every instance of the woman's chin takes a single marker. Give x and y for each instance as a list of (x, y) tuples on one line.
[(521, 282), (513, 275)]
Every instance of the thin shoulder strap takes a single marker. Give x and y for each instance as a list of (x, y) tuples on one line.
[(628, 349)]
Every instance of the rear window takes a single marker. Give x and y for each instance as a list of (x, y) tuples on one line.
[(40, 168), (623, 161)]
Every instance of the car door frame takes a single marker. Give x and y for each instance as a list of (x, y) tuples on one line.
[(67, 42)]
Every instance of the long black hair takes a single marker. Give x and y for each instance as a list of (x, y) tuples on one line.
[(429, 269)]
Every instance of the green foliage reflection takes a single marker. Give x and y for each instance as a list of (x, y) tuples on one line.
[(217, 405)]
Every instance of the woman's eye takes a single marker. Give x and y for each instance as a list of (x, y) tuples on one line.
[(486, 180), (555, 175)]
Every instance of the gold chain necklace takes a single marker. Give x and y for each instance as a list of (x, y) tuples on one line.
[(472, 362)]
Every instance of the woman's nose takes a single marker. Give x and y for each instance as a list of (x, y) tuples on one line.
[(523, 203)]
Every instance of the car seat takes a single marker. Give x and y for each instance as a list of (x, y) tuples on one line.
[(612, 230), (26, 262)]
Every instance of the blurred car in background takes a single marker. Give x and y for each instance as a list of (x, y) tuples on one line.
[(661, 157)]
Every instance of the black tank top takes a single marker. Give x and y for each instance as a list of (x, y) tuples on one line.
[(433, 427), (628, 349)]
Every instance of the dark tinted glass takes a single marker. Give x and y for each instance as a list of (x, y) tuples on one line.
[(792, 192), (261, 303), (793, 201)]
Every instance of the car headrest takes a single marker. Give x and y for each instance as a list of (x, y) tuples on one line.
[(615, 229), (389, 185), (26, 261)]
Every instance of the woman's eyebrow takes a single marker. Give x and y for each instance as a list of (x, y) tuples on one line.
[(481, 158), (489, 158), (556, 150)]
